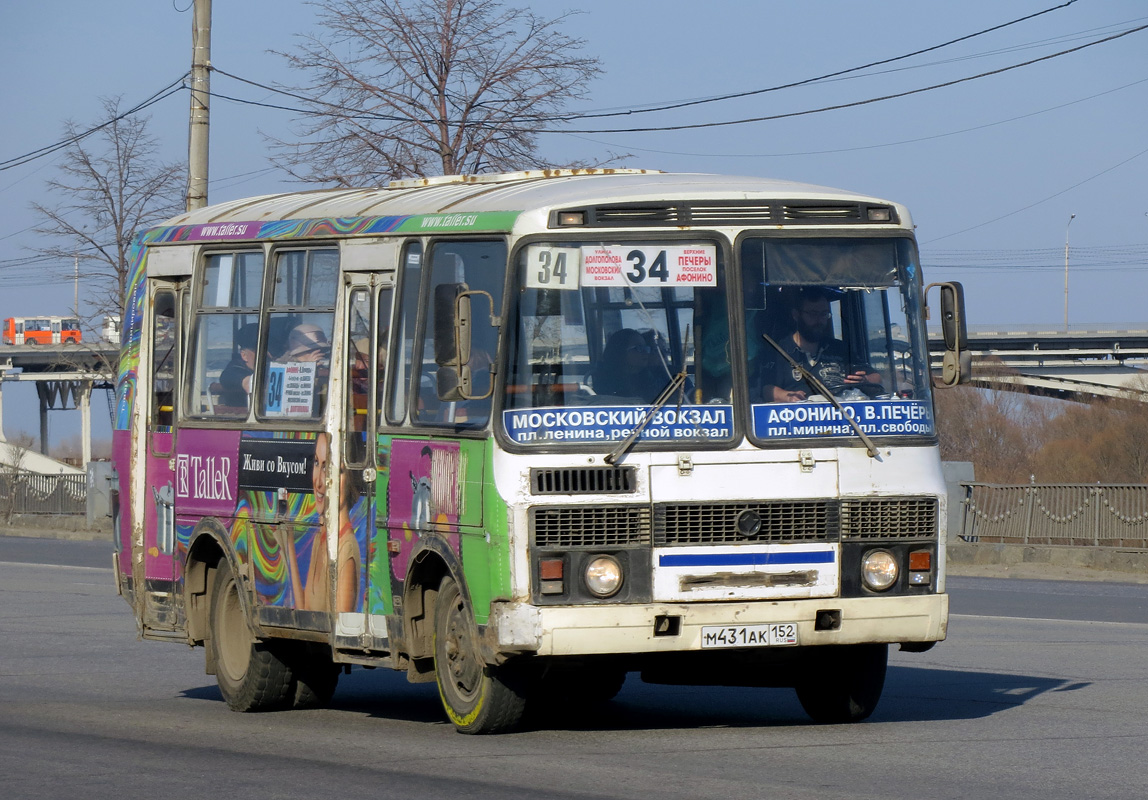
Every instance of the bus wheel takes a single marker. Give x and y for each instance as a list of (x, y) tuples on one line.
[(477, 697), (251, 676), (844, 683), (315, 675)]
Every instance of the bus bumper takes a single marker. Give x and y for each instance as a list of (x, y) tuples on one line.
[(621, 629)]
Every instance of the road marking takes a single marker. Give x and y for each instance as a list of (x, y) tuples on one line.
[(55, 566), (1044, 619)]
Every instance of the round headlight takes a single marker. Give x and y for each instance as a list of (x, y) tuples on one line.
[(879, 570), (603, 576)]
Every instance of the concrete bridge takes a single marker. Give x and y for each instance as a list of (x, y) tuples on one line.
[(64, 375)]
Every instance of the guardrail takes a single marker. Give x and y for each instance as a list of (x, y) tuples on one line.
[(1098, 515), (23, 493)]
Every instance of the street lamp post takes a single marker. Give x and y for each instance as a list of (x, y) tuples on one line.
[(1070, 219)]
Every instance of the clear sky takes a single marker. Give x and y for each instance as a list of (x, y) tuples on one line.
[(991, 169)]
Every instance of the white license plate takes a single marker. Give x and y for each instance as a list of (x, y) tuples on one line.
[(771, 635)]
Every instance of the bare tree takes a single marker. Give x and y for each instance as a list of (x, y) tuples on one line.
[(108, 190), (12, 457), (407, 88)]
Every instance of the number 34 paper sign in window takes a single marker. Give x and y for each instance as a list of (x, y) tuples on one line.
[(550, 267)]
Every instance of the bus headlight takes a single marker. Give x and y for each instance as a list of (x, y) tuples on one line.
[(603, 576), (879, 570)]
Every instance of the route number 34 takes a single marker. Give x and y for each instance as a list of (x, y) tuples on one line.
[(553, 267)]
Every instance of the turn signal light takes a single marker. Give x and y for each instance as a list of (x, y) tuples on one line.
[(550, 576), (920, 560), (920, 568)]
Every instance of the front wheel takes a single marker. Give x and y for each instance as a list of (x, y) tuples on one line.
[(477, 697), (843, 682), (250, 674)]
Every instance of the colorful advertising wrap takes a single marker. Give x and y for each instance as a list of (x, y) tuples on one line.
[(614, 423), (874, 417)]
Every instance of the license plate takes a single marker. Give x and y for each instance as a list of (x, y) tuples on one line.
[(771, 635)]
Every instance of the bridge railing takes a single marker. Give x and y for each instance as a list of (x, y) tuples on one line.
[(1097, 515), (23, 493)]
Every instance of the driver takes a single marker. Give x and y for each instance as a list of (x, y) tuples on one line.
[(812, 344)]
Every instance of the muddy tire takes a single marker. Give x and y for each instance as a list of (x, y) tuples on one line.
[(477, 697), (251, 676)]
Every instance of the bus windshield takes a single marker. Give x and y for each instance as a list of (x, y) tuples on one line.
[(601, 331), (843, 311)]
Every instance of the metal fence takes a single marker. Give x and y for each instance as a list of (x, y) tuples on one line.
[(1110, 515), (33, 493)]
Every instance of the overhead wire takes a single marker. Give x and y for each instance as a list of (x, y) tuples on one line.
[(162, 94), (853, 104)]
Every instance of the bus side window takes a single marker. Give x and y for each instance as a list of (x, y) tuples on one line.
[(402, 360), (226, 314), (358, 363), (480, 266), (165, 346), (382, 343), (296, 364)]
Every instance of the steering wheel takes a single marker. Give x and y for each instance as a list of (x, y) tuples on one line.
[(870, 390)]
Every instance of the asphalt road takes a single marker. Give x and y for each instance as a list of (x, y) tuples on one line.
[(1039, 692)]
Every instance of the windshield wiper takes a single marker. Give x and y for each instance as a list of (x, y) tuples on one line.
[(816, 383), (675, 386)]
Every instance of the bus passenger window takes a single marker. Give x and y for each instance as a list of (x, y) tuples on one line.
[(402, 364), (296, 368), (226, 325), (383, 334), (164, 351), (358, 361)]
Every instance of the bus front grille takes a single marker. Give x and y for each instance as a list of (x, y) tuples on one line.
[(718, 523), (741, 522), (590, 526), (583, 480), (889, 518)]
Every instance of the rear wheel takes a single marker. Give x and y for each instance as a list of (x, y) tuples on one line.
[(251, 676), (844, 683), (477, 697)]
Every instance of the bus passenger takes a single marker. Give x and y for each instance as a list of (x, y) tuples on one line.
[(813, 345), (235, 379), (307, 342)]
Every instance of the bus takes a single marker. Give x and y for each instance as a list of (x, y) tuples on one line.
[(42, 330), (524, 435)]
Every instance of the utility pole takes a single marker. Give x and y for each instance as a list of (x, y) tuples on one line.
[(1070, 219), (200, 103)]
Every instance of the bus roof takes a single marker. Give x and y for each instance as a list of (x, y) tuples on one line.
[(535, 192)]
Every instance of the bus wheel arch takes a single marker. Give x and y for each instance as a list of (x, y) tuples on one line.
[(209, 547), (428, 566)]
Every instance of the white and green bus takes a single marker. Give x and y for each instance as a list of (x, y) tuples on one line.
[(527, 434)]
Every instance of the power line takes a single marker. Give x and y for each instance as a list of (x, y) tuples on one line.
[(1038, 202), (862, 147), (854, 104), (753, 92), (162, 94)]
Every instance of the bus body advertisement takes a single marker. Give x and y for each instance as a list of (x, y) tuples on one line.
[(592, 423)]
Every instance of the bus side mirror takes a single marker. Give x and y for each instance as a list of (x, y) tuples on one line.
[(452, 340), (956, 366), (451, 324)]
